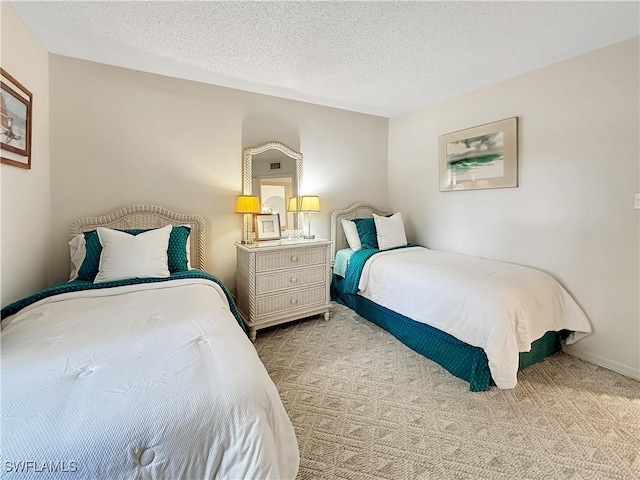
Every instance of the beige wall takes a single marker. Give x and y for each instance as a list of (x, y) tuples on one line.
[(572, 214), (25, 197), (123, 137)]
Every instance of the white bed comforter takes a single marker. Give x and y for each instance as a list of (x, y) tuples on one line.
[(139, 382), (499, 307)]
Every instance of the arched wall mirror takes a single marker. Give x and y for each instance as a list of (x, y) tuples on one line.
[(273, 172)]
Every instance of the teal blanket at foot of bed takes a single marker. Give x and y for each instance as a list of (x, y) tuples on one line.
[(458, 358)]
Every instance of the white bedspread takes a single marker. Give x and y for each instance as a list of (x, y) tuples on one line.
[(499, 307), (139, 382)]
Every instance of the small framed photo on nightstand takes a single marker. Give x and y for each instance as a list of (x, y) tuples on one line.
[(267, 226)]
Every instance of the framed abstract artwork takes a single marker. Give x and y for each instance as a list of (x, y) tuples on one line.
[(480, 157), (15, 122)]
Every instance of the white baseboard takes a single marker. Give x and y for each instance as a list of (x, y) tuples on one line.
[(625, 370)]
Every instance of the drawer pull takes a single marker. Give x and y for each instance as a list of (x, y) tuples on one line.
[(294, 280), (294, 301), (294, 259)]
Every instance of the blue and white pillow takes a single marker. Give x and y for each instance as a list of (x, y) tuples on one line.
[(86, 249), (381, 232)]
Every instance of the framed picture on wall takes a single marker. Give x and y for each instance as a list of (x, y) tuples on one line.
[(480, 157), (15, 122), (267, 226)]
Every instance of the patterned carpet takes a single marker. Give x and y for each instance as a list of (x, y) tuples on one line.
[(364, 406)]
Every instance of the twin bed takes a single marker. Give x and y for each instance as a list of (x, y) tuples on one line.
[(139, 378), (482, 320)]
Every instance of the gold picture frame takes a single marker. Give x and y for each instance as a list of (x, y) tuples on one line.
[(15, 122), (267, 226), (480, 157)]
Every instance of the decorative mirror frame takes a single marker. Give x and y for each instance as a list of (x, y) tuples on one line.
[(247, 173)]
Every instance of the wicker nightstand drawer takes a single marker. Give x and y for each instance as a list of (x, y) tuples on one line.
[(282, 281), (300, 277), (266, 262), (290, 300)]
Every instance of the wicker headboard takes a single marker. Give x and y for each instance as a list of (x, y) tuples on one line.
[(150, 216), (357, 210)]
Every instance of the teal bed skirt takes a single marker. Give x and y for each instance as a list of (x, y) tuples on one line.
[(460, 359)]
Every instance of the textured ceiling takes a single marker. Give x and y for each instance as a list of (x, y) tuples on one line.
[(381, 58)]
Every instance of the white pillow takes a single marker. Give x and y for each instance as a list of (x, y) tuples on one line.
[(77, 251), (390, 231), (133, 256), (351, 232)]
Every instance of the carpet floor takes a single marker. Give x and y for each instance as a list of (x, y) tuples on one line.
[(364, 406)]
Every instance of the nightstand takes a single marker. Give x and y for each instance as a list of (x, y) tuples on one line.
[(281, 281)]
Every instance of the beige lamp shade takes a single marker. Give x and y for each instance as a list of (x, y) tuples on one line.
[(247, 204), (309, 203), (293, 204)]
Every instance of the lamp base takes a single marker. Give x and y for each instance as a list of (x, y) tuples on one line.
[(246, 242), (308, 237)]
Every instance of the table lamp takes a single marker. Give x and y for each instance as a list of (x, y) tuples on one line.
[(247, 205), (309, 204)]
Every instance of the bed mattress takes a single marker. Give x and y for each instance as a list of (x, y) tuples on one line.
[(139, 381)]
